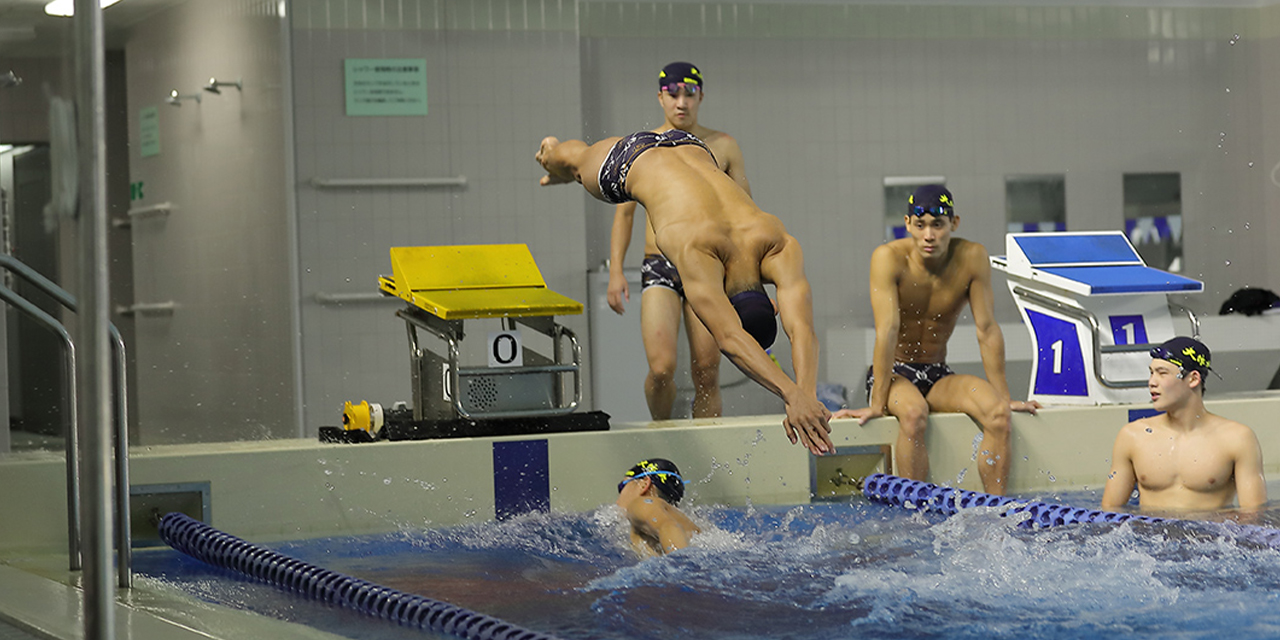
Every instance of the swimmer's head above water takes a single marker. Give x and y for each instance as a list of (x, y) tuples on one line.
[(1187, 354), (662, 474)]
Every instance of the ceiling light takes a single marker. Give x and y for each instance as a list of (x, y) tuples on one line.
[(67, 8)]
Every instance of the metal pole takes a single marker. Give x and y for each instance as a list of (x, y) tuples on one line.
[(94, 375)]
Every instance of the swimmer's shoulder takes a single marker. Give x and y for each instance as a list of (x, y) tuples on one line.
[(1230, 429), (892, 254), (1144, 426)]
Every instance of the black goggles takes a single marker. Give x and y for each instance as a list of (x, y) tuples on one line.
[(940, 210)]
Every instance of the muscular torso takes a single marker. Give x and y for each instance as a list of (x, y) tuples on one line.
[(929, 300), (1184, 469), (694, 207), (719, 143)]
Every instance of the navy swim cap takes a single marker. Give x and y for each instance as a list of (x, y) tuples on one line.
[(932, 199), (680, 73), (663, 473), (756, 312), (1188, 354)]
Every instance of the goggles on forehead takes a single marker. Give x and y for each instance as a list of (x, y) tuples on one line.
[(676, 89), (648, 473), (940, 210)]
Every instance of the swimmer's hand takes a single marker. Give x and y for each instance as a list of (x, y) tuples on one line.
[(806, 422), (1024, 407), (862, 415), (543, 157), (618, 291)]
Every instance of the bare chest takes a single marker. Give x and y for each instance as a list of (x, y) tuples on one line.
[(1182, 462), (926, 296)]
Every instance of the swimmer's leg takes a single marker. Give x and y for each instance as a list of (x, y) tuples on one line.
[(659, 327), (704, 364), (977, 398), (911, 456)]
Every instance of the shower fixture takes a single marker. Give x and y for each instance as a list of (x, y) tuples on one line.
[(9, 79), (215, 85), (176, 99)]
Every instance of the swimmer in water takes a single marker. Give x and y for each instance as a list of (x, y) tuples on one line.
[(725, 248), (649, 493), (1184, 458)]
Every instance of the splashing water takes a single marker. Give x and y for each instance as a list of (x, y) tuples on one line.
[(806, 572)]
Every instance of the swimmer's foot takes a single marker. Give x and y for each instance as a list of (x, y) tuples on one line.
[(557, 173)]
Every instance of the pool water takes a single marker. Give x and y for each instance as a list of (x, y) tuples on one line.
[(844, 570)]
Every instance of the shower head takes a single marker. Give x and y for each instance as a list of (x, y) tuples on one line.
[(215, 85), (9, 79), (176, 98)]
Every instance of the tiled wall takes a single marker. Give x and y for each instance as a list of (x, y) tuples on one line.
[(827, 100), (220, 367), (500, 77)]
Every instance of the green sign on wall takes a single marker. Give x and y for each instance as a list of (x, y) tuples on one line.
[(386, 87), (149, 131)]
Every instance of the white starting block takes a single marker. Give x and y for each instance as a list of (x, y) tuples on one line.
[(1094, 310)]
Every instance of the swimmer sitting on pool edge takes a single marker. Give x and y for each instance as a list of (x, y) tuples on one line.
[(725, 249), (649, 493)]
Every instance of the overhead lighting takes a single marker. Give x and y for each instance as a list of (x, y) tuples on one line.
[(67, 8)]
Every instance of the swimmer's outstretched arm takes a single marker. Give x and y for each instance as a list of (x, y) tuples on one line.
[(561, 160), (573, 161)]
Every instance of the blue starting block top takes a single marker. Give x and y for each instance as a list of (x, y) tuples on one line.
[(1051, 249), (1093, 263), (1127, 279)]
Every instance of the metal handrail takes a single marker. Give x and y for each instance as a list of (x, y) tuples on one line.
[(124, 553), (1085, 315), (69, 379)]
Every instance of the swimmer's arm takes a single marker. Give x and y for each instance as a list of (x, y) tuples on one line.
[(1251, 485), (619, 242), (982, 302), (888, 319), (990, 337), (703, 277), (733, 163), (1120, 481), (795, 309)]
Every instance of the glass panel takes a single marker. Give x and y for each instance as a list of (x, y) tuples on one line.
[(1153, 217), (1035, 203)]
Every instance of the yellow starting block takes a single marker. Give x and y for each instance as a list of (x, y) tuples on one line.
[(445, 286)]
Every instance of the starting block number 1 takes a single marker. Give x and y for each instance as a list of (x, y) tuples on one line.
[(1128, 330), (506, 349)]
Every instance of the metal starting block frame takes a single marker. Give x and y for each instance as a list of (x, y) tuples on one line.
[(1094, 310), (447, 285)]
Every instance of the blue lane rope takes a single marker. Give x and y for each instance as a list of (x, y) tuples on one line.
[(914, 494), (203, 542)]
